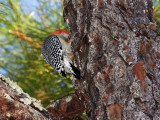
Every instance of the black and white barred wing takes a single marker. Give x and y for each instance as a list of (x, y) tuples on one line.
[(52, 53)]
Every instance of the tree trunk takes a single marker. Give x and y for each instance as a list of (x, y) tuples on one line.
[(116, 47)]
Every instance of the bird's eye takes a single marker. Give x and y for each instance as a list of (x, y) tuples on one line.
[(68, 39)]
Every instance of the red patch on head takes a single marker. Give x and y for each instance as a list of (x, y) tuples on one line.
[(59, 32)]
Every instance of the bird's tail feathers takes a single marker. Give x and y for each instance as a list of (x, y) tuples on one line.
[(63, 73), (76, 72)]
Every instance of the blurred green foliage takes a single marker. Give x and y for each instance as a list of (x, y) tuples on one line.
[(156, 11), (22, 31)]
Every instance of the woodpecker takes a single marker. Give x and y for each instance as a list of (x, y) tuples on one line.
[(56, 51)]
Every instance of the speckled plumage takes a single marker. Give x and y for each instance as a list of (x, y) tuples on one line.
[(52, 53)]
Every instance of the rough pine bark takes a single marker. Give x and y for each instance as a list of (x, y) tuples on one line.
[(117, 49)]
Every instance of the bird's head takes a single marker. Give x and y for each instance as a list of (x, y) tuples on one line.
[(62, 34)]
